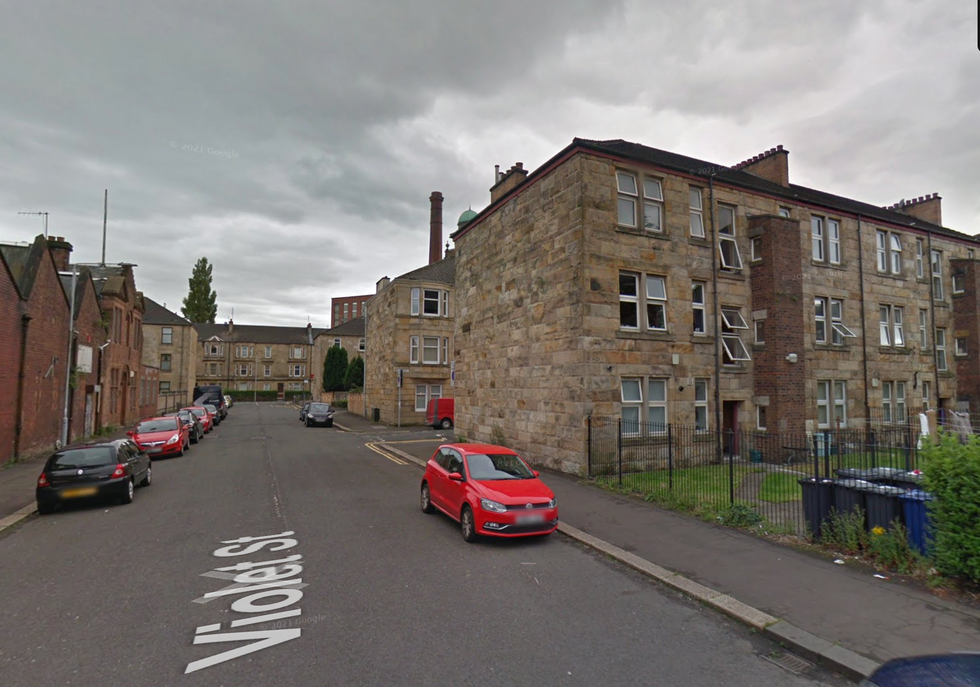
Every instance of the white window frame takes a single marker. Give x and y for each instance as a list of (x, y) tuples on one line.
[(891, 326), (267, 370), (169, 362), (268, 351), (937, 275), (820, 319), (214, 369), (923, 330), (817, 239), (360, 344), (338, 343), (701, 405), (413, 350), (167, 336), (881, 250), (755, 249), (697, 211), (243, 370), (430, 296), (630, 427), (164, 387), (643, 303), (266, 386), (726, 235), (353, 311), (699, 307), (761, 419), (731, 321), (831, 403), (416, 306), (838, 330), (825, 240), (445, 351), (345, 311), (657, 405), (926, 394), (920, 269), (421, 398), (959, 283), (942, 364), (429, 344), (297, 353), (645, 196), (297, 370), (895, 252), (445, 304), (759, 331), (961, 345), (785, 212)]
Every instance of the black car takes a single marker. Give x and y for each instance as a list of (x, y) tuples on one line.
[(319, 414), (303, 411), (938, 670), (193, 424), (110, 469)]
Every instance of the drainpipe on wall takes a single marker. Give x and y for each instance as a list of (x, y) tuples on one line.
[(717, 332), (932, 319), (864, 324), (18, 427)]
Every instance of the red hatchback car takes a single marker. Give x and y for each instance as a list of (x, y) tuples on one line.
[(489, 490), (162, 436)]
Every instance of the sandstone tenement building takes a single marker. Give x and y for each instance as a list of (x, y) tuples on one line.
[(623, 281)]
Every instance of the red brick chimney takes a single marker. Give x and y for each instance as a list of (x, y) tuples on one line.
[(506, 181), (927, 208), (435, 227), (772, 165), (61, 252)]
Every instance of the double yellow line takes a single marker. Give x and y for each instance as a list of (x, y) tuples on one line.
[(381, 452)]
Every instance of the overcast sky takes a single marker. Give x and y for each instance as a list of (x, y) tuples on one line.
[(295, 144)]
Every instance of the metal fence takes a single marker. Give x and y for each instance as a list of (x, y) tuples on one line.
[(710, 471)]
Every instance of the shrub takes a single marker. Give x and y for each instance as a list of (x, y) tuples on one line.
[(740, 515), (339, 404), (952, 475), (845, 531)]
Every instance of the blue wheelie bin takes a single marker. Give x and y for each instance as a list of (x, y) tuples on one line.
[(915, 504)]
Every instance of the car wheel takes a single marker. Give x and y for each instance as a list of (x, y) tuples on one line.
[(181, 451), (426, 501), (329, 423), (46, 508), (127, 496), (307, 422), (467, 524), (446, 423), (149, 477)]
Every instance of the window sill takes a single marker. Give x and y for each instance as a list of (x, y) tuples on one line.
[(735, 369), (940, 304), (819, 346), (645, 336), (889, 275), (733, 275), (698, 241), (842, 266), (891, 350), (662, 236)]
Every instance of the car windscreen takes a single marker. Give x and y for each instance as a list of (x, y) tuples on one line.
[(210, 408), (319, 408), (82, 458), (156, 426), (497, 466), (200, 412)]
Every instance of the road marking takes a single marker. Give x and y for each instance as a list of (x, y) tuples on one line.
[(416, 441), (380, 452)]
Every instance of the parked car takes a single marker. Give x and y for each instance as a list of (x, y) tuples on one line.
[(214, 413), (211, 393), (303, 411), (203, 415), (319, 414), (953, 669), (489, 490), (194, 427), (441, 412), (162, 436), (110, 469)]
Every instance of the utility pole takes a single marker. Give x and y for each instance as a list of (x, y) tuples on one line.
[(39, 214), (71, 341), (105, 216)]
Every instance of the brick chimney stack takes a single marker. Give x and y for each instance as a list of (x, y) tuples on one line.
[(506, 181), (772, 165), (61, 252), (435, 227), (927, 208)]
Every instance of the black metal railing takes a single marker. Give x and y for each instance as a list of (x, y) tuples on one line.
[(712, 471)]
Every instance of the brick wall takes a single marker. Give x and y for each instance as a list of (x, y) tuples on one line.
[(966, 308), (10, 339)]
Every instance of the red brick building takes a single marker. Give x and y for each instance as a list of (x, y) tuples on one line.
[(35, 358), (347, 308)]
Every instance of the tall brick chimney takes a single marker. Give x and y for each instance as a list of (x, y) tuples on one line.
[(927, 208), (506, 181), (772, 165), (61, 252), (435, 227)]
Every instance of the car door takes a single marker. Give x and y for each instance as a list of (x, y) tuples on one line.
[(455, 493), (140, 461), (438, 478)]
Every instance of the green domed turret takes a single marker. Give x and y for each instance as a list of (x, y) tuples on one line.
[(465, 218)]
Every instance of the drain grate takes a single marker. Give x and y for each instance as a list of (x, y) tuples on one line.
[(790, 662)]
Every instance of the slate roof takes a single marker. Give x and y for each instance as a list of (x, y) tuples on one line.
[(83, 276), (157, 314), (256, 333), (353, 327), (442, 272), (23, 262), (734, 177)]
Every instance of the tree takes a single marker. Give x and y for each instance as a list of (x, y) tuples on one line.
[(201, 303), (355, 374), (335, 369)]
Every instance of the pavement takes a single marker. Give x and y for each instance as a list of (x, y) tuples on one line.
[(842, 617)]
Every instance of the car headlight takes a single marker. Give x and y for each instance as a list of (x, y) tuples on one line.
[(174, 439), (553, 502), (493, 506)]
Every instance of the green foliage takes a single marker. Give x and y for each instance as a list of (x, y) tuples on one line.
[(497, 435), (952, 475), (740, 515), (891, 549), (355, 373), (339, 404), (201, 303), (780, 487), (845, 532), (335, 369)]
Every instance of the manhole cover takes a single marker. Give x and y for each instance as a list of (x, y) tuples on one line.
[(793, 664)]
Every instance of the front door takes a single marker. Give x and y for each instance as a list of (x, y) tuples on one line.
[(282, 390), (729, 419)]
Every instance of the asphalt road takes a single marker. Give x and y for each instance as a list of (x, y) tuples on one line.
[(115, 595)]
